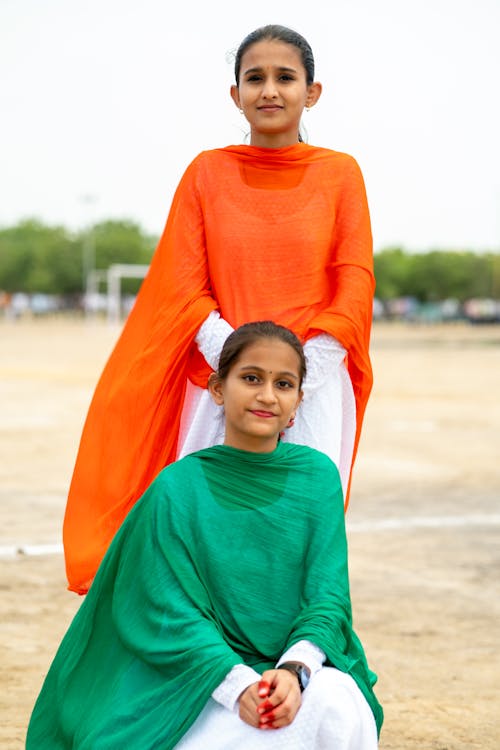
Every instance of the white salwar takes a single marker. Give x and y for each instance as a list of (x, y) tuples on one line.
[(334, 715), (326, 418)]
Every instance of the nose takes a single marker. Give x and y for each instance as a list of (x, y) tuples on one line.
[(266, 394), (269, 89)]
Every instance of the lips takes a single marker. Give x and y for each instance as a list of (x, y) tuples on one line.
[(270, 108), (263, 414)]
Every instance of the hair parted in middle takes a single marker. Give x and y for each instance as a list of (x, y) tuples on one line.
[(280, 34)]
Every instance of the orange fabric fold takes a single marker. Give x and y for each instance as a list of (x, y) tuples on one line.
[(280, 234)]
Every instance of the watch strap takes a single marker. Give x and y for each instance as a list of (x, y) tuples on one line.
[(299, 671)]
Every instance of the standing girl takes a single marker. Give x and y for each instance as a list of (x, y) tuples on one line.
[(220, 616), (276, 229)]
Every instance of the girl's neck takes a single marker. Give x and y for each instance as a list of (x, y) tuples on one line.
[(261, 140), (256, 445)]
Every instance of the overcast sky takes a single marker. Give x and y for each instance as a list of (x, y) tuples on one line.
[(105, 102)]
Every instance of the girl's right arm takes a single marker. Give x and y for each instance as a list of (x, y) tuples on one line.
[(211, 337)]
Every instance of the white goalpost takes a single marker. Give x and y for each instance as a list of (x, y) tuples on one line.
[(112, 278)]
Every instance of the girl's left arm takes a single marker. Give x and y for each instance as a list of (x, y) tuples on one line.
[(348, 317), (349, 313), (325, 617)]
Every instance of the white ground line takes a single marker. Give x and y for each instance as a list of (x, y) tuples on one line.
[(424, 522), (386, 524), (32, 550)]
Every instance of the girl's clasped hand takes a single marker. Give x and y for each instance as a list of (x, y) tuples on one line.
[(273, 702)]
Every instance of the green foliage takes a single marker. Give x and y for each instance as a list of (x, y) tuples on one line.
[(39, 258), (391, 272), (436, 275), (121, 242)]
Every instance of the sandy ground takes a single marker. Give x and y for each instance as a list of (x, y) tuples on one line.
[(423, 524)]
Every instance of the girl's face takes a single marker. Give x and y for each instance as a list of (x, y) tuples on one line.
[(273, 92), (260, 394)]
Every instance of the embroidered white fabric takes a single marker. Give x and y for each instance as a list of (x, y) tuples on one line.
[(334, 714), (307, 653), (211, 336), (240, 677), (326, 418), (236, 681)]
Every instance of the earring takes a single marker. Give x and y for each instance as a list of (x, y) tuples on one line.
[(308, 109), (241, 111)]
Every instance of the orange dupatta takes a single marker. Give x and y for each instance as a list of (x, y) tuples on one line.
[(281, 234), (131, 429)]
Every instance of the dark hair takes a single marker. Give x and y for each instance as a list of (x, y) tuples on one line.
[(281, 34), (249, 334)]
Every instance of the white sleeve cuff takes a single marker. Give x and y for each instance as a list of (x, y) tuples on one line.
[(306, 653), (236, 681), (211, 336)]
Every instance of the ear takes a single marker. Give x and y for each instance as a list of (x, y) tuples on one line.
[(235, 95), (215, 389), (313, 93), (299, 399)]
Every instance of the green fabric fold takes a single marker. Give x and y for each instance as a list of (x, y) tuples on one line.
[(228, 557)]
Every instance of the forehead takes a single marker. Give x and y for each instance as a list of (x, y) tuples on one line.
[(271, 52), (271, 355)]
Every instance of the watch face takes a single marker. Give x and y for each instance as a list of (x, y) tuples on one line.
[(303, 675)]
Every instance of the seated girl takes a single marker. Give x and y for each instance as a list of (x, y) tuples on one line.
[(220, 616)]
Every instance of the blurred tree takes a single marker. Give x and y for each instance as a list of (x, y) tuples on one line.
[(120, 242), (441, 275), (39, 258), (495, 275), (391, 272), (436, 275)]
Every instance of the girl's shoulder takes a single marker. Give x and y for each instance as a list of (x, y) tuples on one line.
[(311, 464), (178, 472), (317, 473), (310, 460), (207, 166)]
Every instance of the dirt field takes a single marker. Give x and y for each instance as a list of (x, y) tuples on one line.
[(424, 522)]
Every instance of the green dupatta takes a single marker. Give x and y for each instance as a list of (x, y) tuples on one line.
[(229, 557)]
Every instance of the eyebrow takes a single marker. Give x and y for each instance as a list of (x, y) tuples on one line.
[(256, 368), (259, 70)]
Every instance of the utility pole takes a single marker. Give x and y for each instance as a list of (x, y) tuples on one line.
[(88, 253)]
